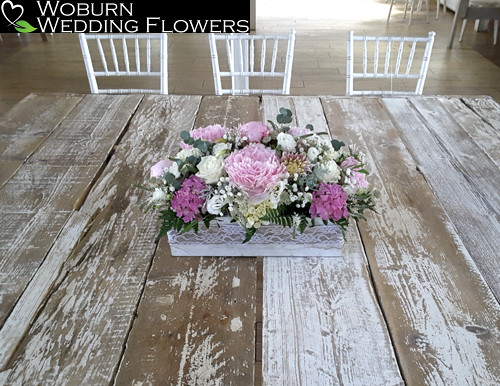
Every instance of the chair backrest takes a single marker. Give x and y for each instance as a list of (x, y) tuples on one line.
[(147, 58), (393, 58), (254, 63)]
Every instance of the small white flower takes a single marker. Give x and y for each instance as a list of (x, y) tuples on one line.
[(158, 196), (286, 142)]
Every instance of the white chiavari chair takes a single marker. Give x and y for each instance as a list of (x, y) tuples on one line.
[(393, 59), (256, 64), (146, 58)]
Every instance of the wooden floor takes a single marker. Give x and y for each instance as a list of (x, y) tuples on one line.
[(27, 64)]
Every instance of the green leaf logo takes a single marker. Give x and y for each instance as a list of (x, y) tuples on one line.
[(24, 26)]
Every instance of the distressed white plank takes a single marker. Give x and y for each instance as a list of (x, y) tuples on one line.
[(463, 178), (442, 316), (475, 120), (40, 197), (487, 108), (196, 322), (94, 299), (27, 125), (329, 326)]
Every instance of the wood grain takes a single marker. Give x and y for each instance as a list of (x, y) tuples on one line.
[(26, 126), (40, 197), (196, 322), (323, 304), (89, 314), (464, 179), (444, 320)]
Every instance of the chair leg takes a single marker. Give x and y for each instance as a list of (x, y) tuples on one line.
[(462, 30), (438, 5), (427, 10), (495, 32), (390, 10)]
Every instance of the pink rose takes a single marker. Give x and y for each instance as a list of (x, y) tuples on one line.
[(209, 133), (256, 170), (254, 131), (358, 180), (349, 162), (298, 131), (157, 170)]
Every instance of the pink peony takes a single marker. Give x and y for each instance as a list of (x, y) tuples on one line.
[(256, 170), (189, 199), (329, 202), (157, 170), (254, 131)]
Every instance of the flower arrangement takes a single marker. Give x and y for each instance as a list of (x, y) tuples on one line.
[(258, 174)]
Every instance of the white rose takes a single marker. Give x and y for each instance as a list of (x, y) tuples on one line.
[(219, 149), (215, 203), (312, 154), (210, 169), (286, 142), (327, 172), (185, 153)]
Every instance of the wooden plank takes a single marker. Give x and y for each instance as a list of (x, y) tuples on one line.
[(323, 304), (26, 126), (196, 322), (40, 197), (93, 303), (487, 108), (475, 117), (464, 180), (442, 316)]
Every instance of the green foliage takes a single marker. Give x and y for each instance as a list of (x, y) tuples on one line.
[(337, 144)]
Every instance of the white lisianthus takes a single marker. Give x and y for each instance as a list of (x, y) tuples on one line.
[(275, 195), (174, 169), (312, 154), (328, 172), (185, 153), (210, 169), (286, 142), (219, 149), (215, 204)]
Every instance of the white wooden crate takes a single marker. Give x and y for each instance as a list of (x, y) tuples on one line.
[(225, 239)]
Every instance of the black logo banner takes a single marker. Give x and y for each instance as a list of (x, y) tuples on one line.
[(56, 16)]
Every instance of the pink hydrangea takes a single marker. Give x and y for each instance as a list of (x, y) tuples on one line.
[(254, 131), (358, 179), (157, 170), (256, 170), (329, 202), (189, 199)]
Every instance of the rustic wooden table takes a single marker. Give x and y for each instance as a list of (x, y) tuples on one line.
[(89, 297)]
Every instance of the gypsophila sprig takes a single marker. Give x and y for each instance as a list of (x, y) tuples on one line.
[(257, 174)]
